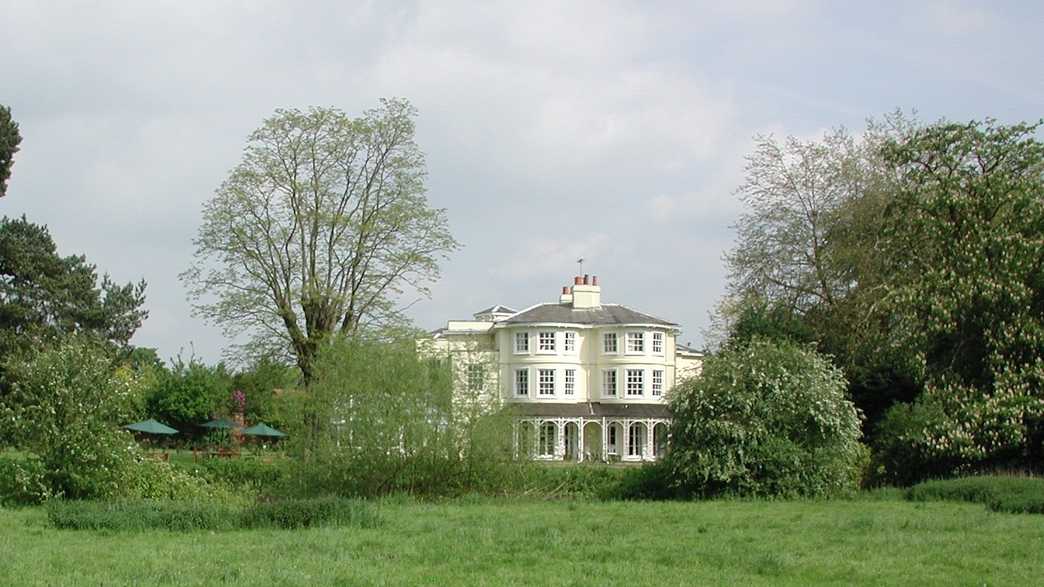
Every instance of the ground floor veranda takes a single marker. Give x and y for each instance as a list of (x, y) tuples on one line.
[(591, 431), (591, 439)]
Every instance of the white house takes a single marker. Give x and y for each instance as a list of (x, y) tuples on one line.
[(586, 380)]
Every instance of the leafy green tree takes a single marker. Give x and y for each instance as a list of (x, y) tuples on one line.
[(965, 294), (807, 264), (765, 418), (383, 418), (754, 317), (44, 296), (321, 229), (66, 405), (9, 141), (260, 382), (189, 394)]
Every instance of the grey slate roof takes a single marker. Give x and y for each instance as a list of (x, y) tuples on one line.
[(497, 309), (606, 314), (589, 410)]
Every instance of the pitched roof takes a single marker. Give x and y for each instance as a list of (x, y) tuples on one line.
[(684, 348), (497, 309), (606, 314)]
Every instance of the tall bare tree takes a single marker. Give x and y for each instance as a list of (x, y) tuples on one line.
[(321, 229)]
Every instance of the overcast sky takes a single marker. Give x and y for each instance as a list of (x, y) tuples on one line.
[(610, 131)]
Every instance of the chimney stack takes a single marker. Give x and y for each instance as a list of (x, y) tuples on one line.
[(567, 295), (586, 293)]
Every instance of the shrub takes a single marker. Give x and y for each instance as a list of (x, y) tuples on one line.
[(650, 481), (766, 418), (22, 480), (898, 454), (180, 516), (1000, 493), (65, 406), (250, 474)]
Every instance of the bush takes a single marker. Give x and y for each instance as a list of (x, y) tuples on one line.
[(1000, 493), (898, 455), (650, 481), (767, 418), (65, 406), (249, 474), (22, 481), (180, 516)]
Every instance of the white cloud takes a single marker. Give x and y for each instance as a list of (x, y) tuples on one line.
[(553, 130)]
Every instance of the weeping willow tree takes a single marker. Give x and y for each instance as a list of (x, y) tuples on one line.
[(322, 228)]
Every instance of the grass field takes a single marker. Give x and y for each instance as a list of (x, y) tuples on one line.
[(885, 541)]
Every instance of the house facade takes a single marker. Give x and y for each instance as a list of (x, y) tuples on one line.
[(584, 380)]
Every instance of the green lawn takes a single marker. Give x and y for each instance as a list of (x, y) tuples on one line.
[(583, 543)]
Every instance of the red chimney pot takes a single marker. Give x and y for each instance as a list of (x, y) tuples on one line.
[(587, 279), (594, 280), (565, 290), (578, 280)]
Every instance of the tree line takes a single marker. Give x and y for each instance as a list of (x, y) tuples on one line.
[(912, 256)]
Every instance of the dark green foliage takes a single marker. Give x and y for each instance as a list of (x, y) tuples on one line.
[(768, 418), (965, 287), (182, 516), (898, 458), (258, 383), (44, 296), (651, 481), (1000, 493), (760, 318), (243, 473), (22, 480), (9, 141), (189, 394)]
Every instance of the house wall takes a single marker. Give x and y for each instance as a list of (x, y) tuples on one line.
[(589, 361)]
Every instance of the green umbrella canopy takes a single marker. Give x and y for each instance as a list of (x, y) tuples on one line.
[(263, 430), (220, 423), (151, 427)]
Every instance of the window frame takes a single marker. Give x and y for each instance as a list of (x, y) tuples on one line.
[(616, 343), (548, 338), (569, 382), (568, 341), (634, 376), (541, 381), (524, 372), (635, 343), (605, 383), (519, 337), (656, 343), (656, 383)]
